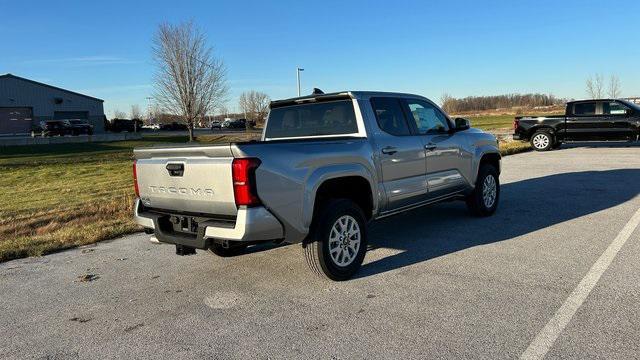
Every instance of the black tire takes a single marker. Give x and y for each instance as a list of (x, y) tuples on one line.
[(232, 250), (476, 200), (542, 141), (317, 249)]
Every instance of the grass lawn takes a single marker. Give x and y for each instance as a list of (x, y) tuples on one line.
[(491, 122), (66, 195)]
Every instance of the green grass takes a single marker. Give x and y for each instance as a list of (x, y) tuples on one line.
[(66, 195), (491, 122)]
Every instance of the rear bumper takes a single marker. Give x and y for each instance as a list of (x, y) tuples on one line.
[(251, 224), (517, 137)]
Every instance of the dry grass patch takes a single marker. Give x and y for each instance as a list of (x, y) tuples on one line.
[(514, 147)]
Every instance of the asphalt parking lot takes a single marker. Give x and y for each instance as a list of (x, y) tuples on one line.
[(555, 272)]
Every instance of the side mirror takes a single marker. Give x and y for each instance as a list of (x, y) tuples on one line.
[(628, 112), (462, 124)]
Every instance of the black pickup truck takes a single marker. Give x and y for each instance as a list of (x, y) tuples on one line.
[(585, 120)]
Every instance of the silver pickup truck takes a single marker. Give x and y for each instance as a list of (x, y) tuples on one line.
[(325, 166)]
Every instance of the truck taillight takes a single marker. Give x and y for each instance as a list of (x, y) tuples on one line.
[(516, 123), (135, 179), (244, 181)]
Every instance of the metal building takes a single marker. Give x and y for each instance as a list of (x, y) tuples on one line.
[(24, 103)]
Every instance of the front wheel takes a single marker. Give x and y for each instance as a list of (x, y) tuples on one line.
[(483, 201), (338, 242)]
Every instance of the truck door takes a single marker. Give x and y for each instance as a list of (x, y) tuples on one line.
[(621, 122), (401, 155), (587, 122), (445, 161)]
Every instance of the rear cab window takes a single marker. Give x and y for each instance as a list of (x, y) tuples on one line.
[(584, 109), (389, 116), (322, 119)]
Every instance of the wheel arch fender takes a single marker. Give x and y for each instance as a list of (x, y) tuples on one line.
[(550, 129), (331, 172), (485, 154)]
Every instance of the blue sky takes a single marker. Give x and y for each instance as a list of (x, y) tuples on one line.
[(102, 48)]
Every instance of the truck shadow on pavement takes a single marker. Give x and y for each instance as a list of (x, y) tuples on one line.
[(525, 206)]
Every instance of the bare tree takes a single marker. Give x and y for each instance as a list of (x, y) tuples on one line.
[(595, 86), (480, 103), (135, 112), (614, 87), (224, 110), (448, 102), (189, 80), (117, 114), (255, 105)]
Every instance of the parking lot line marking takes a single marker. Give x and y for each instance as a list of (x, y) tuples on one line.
[(543, 342)]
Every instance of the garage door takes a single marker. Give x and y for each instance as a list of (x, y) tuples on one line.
[(68, 115), (15, 120)]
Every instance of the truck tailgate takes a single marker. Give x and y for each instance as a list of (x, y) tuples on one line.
[(189, 179)]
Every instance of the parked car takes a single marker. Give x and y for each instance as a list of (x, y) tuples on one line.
[(151, 126), (174, 126), (122, 125), (216, 125), (237, 124), (326, 165), (54, 128), (78, 127), (586, 120)]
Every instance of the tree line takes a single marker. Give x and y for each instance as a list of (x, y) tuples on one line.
[(479, 103)]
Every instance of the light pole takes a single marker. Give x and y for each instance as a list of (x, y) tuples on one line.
[(298, 70), (149, 98)]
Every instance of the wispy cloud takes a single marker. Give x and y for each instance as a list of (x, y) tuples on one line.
[(85, 60)]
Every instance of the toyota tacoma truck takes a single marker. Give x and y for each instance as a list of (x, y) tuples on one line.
[(587, 120), (325, 166)]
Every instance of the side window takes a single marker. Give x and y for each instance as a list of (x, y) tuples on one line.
[(584, 109), (614, 108), (428, 119), (389, 116)]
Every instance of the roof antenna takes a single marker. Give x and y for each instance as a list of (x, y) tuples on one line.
[(317, 91)]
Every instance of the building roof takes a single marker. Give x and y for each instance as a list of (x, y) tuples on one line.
[(49, 86)]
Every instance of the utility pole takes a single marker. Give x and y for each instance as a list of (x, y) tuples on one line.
[(298, 70)]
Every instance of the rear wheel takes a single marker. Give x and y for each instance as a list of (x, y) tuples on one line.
[(542, 141), (338, 242), (483, 201)]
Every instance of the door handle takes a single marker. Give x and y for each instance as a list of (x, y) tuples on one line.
[(389, 150), (430, 147)]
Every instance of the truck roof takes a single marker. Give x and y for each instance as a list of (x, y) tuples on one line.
[(348, 94), (590, 100)]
